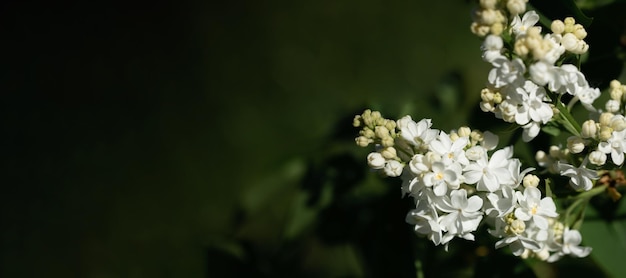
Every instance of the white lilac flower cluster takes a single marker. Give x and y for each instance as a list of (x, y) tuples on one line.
[(528, 76), (459, 180)]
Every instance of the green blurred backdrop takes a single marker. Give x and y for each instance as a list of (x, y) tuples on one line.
[(176, 139)]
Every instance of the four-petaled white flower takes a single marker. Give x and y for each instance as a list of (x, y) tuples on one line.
[(489, 175), (616, 146), (570, 246), (505, 71), (580, 177), (530, 106), (443, 177), (449, 151), (464, 213), (416, 133), (519, 26), (532, 206)]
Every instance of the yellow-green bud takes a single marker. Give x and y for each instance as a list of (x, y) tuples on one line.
[(616, 94), (557, 27), (488, 4), (605, 133), (390, 125), (464, 131), (387, 141), (381, 132), (497, 28), (389, 153), (453, 136), (615, 84), (555, 151), (579, 31), (530, 180), (605, 118), (497, 98), (357, 121), (569, 24), (517, 226), (363, 141), (367, 132)]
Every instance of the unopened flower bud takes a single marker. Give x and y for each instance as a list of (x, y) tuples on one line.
[(476, 135), (381, 132), (363, 141), (579, 32), (497, 28), (569, 41), (605, 118), (497, 98), (612, 105), (569, 23), (475, 153), (543, 254), (589, 129), (555, 151), (517, 226), (389, 153), (375, 160), (486, 94), (393, 168), (464, 131), (530, 180), (387, 141), (357, 121), (516, 6), (597, 158), (488, 4), (615, 84), (575, 144), (605, 133), (616, 94), (368, 133), (557, 27)]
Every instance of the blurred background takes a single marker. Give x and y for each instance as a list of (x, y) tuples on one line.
[(215, 139)]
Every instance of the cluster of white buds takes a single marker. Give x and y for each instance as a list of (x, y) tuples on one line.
[(382, 132), (491, 16), (571, 35)]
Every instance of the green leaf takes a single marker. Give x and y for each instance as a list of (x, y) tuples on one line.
[(607, 240), (551, 130)]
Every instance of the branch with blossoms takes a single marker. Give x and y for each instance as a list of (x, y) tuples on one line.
[(461, 180)]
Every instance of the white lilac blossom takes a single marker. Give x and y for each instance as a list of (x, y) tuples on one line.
[(443, 177), (580, 177), (450, 151), (571, 240), (461, 179), (531, 205), (519, 26), (529, 100), (489, 175), (460, 184), (506, 72), (464, 214), (616, 146), (492, 48)]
